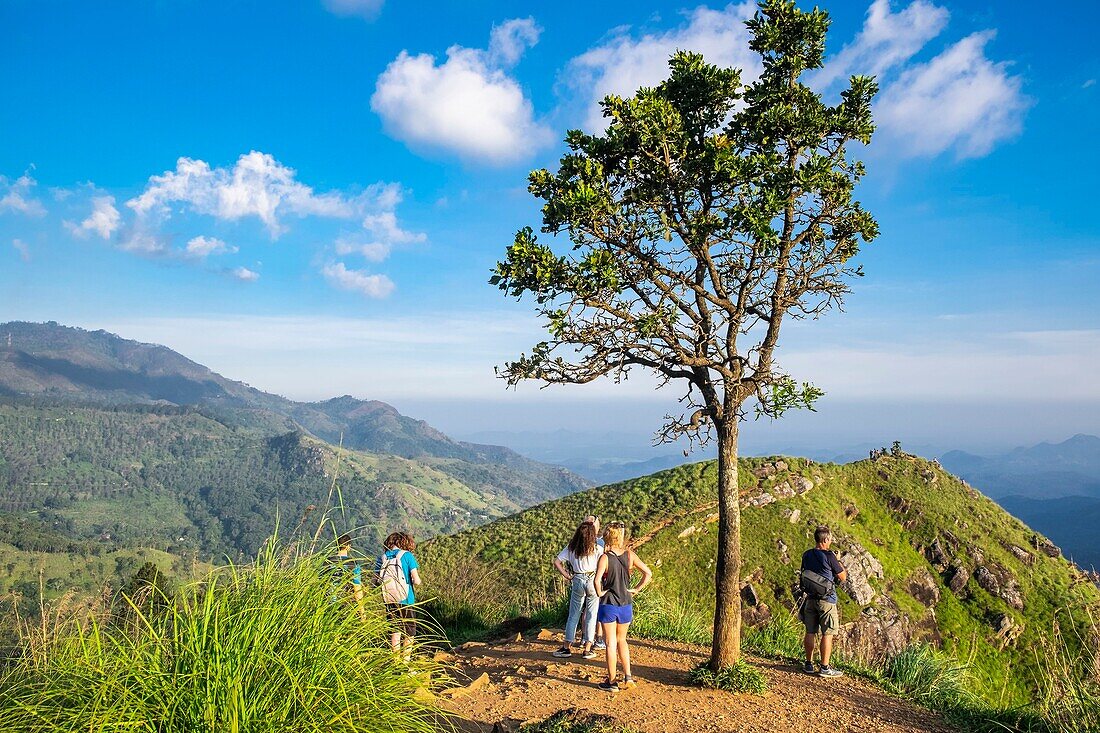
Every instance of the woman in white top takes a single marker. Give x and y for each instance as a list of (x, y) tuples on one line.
[(577, 564)]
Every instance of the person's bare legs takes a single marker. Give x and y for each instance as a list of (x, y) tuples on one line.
[(808, 645), (610, 636), (395, 641), (622, 647), (826, 649)]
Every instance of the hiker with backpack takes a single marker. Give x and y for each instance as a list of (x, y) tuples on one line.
[(617, 601), (820, 573), (577, 564), (397, 575)]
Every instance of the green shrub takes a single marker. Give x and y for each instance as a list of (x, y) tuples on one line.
[(779, 638), (252, 649), (739, 677), (929, 677), (657, 616)]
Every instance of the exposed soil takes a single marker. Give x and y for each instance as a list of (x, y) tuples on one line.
[(526, 683)]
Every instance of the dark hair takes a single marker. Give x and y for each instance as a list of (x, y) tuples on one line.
[(583, 543), (822, 534), (344, 540), (400, 540)]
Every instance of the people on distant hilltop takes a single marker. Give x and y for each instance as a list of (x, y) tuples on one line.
[(617, 601), (821, 571), (398, 575), (345, 573), (577, 564)]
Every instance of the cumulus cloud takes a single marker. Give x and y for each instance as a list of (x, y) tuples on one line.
[(362, 8), (201, 247), (625, 62), (244, 274), (466, 105), (360, 281), (369, 249), (18, 196), (959, 100), (887, 40), (22, 248), (103, 221), (257, 185)]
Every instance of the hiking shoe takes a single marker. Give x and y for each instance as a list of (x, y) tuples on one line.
[(808, 668), (563, 652), (599, 646), (829, 672), (590, 654), (608, 686), (628, 684)]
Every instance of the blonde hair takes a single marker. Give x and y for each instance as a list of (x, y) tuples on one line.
[(615, 534)]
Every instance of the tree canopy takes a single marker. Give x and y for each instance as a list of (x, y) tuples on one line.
[(711, 209)]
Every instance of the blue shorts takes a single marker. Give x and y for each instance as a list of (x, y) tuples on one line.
[(610, 614)]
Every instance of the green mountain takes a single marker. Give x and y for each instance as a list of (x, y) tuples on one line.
[(930, 558)]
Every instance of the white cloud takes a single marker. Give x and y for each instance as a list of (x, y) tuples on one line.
[(22, 248), (104, 219), (960, 99), (18, 196), (624, 63), (257, 185), (244, 274), (370, 250), (141, 240), (887, 40), (363, 8), (509, 40), (373, 286), (202, 247), (467, 105)]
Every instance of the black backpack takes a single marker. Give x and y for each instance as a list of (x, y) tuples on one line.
[(815, 585)]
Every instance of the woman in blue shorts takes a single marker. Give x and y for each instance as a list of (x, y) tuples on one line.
[(617, 601)]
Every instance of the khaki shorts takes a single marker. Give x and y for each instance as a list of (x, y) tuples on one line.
[(820, 617)]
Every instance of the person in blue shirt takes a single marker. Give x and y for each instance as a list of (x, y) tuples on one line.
[(398, 575), (345, 573), (820, 615)]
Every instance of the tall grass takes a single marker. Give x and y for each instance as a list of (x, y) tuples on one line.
[(251, 649)]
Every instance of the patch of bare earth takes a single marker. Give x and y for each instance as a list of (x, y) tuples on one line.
[(525, 683)]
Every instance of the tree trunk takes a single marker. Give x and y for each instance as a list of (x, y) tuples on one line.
[(726, 646)]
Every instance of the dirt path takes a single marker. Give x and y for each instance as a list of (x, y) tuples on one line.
[(526, 683)]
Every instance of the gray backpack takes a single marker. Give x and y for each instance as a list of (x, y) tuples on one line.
[(816, 585)]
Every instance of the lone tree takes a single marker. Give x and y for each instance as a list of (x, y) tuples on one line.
[(707, 213)]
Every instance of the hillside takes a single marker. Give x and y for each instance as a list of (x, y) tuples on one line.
[(81, 481), (48, 361), (930, 558)]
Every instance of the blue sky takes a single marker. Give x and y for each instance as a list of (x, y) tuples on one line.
[(308, 196)]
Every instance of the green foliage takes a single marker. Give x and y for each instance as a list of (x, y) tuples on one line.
[(928, 676), (738, 677), (255, 648), (657, 616), (780, 638)]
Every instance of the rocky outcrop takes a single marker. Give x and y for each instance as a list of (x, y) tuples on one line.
[(1006, 630), (1045, 546), (924, 588), (957, 578), (1022, 555), (880, 630), (997, 581), (861, 566)]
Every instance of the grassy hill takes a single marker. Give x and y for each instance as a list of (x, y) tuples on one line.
[(932, 559)]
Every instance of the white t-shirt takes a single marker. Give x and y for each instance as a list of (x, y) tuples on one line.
[(581, 564)]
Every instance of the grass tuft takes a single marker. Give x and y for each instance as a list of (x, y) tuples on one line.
[(739, 677), (575, 721), (258, 648)]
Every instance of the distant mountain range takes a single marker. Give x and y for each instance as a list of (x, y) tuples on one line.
[(108, 440), (1054, 487)]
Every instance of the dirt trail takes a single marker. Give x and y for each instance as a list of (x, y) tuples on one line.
[(527, 683)]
